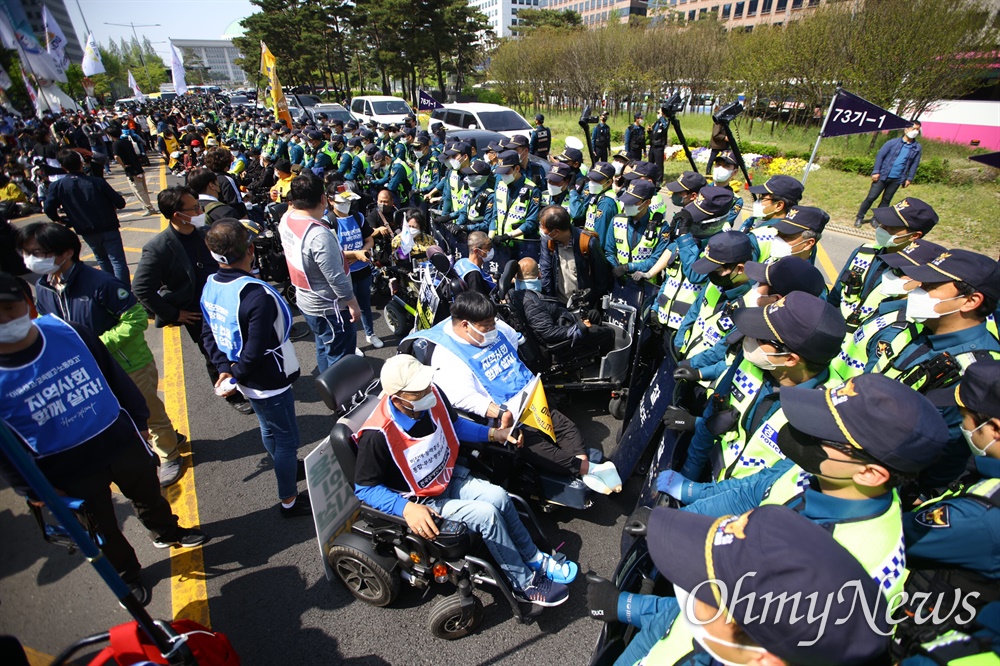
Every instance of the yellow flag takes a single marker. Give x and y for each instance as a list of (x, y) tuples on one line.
[(536, 410), (269, 68)]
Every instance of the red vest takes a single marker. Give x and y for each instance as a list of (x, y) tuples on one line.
[(292, 231), (425, 462)]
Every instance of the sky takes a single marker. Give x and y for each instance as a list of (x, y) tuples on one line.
[(178, 19)]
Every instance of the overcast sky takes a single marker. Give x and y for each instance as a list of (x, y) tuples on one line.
[(178, 19)]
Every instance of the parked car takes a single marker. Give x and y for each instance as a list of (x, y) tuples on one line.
[(491, 117), (330, 112), (381, 109)]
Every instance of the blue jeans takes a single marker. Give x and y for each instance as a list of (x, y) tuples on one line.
[(488, 509), (335, 336), (280, 433), (110, 254), (363, 292)]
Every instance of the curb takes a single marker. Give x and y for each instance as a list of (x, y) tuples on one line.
[(850, 230)]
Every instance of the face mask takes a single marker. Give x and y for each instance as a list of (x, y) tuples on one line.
[(528, 285), (758, 210), (892, 284), (920, 305), (554, 190), (475, 182), (912, 134), (723, 282), (884, 239), (41, 265), (631, 211), (233, 153), (489, 255), (677, 199), (197, 221), (507, 178), (489, 337), (15, 330), (721, 174), (809, 456), (423, 404), (343, 209), (454, 164), (780, 248), (419, 153), (385, 208), (753, 352), (702, 635), (619, 167), (595, 188), (196, 150), (976, 451)]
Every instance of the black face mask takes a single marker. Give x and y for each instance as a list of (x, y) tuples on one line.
[(721, 281), (805, 451), (677, 199)]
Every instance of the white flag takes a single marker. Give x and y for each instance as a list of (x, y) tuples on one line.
[(177, 69), (55, 43), (5, 82), (92, 58), (135, 87), (31, 92), (30, 52)]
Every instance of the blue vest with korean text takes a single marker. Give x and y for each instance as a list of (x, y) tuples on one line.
[(351, 238), (464, 266), (220, 304)]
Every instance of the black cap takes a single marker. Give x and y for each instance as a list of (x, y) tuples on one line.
[(477, 168), (371, 149), (786, 275), (283, 165), (517, 141), (337, 138), (640, 169), (559, 172), (354, 142), (712, 201), (802, 218), (507, 161), (726, 156), (689, 181), (10, 288), (458, 148), (911, 213), (571, 155), (337, 121), (979, 390), (917, 253), (887, 419), (977, 270), (805, 324), (637, 115), (277, 126), (637, 192), (352, 124), (495, 146), (710, 558), (540, 118), (728, 247), (410, 116), (421, 140), (785, 187), (315, 135), (379, 155), (601, 171)]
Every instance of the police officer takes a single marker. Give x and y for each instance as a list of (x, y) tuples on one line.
[(404, 146), (398, 179), (359, 161), (720, 569), (797, 234), (514, 223), (637, 238), (856, 289), (533, 172), (635, 138), (541, 138), (658, 140), (454, 190), (600, 137), (574, 158), (558, 187), (296, 153), (648, 171), (601, 206), (425, 167), (325, 158), (684, 190), (777, 196), (474, 214)]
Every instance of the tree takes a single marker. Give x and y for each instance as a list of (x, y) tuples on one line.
[(532, 19)]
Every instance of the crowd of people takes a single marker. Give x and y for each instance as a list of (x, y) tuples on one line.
[(851, 428)]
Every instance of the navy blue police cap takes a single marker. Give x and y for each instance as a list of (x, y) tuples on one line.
[(518, 141), (559, 172), (371, 149), (539, 117), (911, 213), (477, 168), (601, 171), (640, 169), (689, 181), (730, 563), (495, 146), (712, 201), (379, 155), (571, 155), (979, 390), (802, 218), (637, 192), (507, 160), (315, 135), (421, 140), (785, 187), (728, 247), (977, 270), (917, 253), (786, 275), (800, 322), (458, 148)]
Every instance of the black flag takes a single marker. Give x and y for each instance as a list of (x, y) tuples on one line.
[(851, 114), (425, 102), (989, 159)]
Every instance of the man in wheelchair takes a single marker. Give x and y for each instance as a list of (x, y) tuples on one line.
[(409, 465)]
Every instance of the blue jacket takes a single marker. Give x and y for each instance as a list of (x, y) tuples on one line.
[(91, 204), (887, 156)]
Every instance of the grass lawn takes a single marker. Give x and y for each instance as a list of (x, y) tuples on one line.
[(970, 214)]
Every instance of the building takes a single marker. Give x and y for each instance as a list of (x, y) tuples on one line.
[(597, 12), (502, 14), (217, 55), (33, 8), (745, 14)]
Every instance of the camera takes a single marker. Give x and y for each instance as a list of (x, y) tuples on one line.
[(673, 105), (585, 117), (728, 113)]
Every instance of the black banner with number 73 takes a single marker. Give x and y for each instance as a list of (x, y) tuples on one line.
[(851, 114)]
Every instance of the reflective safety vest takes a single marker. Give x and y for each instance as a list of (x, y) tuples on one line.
[(459, 191), (61, 399), (547, 199), (956, 648), (292, 230), (425, 170), (404, 187), (590, 221), (426, 463), (876, 542), (624, 252), (857, 274), (674, 648), (465, 266), (676, 296), (853, 356), (331, 153), (657, 205), (511, 213), (714, 321), (745, 453)]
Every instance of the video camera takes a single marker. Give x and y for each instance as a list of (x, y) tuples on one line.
[(673, 105), (728, 113), (586, 118), (724, 116)]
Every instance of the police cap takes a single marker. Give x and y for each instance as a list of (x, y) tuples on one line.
[(977, 270), (800, 322), (640, 169), (371, 149), (785, 187), (712, 201), (803, 218), (911, 213), (507, 161), (458, 148), (689, 181), (379, 155), (786, 275), (476, 168), (495, 146), (728, 247), (571, 155), (315, 135), (601, 171), (421, 140), (539, 117), (517, 141), (637, 192), (917, 253), (559, 173), (354, 142)]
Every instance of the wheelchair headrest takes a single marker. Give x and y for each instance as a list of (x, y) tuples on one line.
[(507, 278), (419, 348), (345, 379), (438, 259)]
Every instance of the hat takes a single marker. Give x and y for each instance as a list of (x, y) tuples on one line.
[(477, 168), (785, 187), (539, 117), (637, 115), (978, 270), (405, 373), (336, 138), (911, 213), (283, 165), (601, 171), (458, 148), (10, 289), (211, 142), (979, 390), (603, 114), (621, 155), (354, 142), (887, 419), (559, 172), (710, 556), (641, 169), (786, 275), (517, 141), (571, 155), (507, 161), (802, 218), (315, 135), (637, 192), (195, 143), (728, 247), (495, 146), (805, 324), (727, 157), (370, 149), (689, 181), (408, 131), (379, 155), (410, 116), (421, 140), (917, 253), (276, 126), (712, 201), (344, 194)]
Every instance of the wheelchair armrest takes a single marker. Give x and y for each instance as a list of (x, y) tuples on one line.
[(370, 512)]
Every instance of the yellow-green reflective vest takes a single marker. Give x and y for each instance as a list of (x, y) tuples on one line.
[(857, 271), (745, 453), (425, 173), (510, 214), (677, 295), (404, 188), (459, 191), (673, 648), (624, 253), (713, 322), (853, 356), (590, 221)]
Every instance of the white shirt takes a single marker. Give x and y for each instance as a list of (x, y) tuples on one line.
[(460, 385)]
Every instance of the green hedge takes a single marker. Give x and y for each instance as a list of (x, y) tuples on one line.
[(935, 170)]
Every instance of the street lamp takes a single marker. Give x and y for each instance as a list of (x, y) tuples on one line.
[(149, 79)]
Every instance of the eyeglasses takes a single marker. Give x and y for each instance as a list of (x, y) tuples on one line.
[(196, 209)]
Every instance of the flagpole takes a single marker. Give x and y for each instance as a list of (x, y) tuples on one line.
[(826, 119)]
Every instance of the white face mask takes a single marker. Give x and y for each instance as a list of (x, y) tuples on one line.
[(920, 305), (489, 255), (892, 284), (15, 330), (554, 190), (41, 265), (721, 174), (702, 635), (753, 352), (197, 221), (912, 134), (884, 239), (343, 209), (976, 451), (454, 164), (475, 182), (631, 211), (419, 153), (595, 187), (619, 167), (758, 210), (489, 337), (429, 401), (507, 178), (780, 248)]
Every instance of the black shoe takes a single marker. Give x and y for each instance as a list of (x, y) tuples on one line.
[(300, 470), (181, 537), (300, 508), (137, 590), (180, 438), (242, 406), (858, 222)]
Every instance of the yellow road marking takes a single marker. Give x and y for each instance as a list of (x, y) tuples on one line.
[(147, 231), (36, 658), (828, 268), (188, 589)]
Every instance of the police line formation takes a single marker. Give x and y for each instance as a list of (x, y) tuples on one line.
[(835, 448)]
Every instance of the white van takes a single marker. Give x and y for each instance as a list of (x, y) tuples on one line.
[(491, 117), (381, 109)]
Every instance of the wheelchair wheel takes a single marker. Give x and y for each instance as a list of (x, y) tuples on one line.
[(445, 620), (616, 407), (365, 578), (288, 291), (398, 319)]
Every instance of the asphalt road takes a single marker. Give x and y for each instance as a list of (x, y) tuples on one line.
[(262, 576)]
